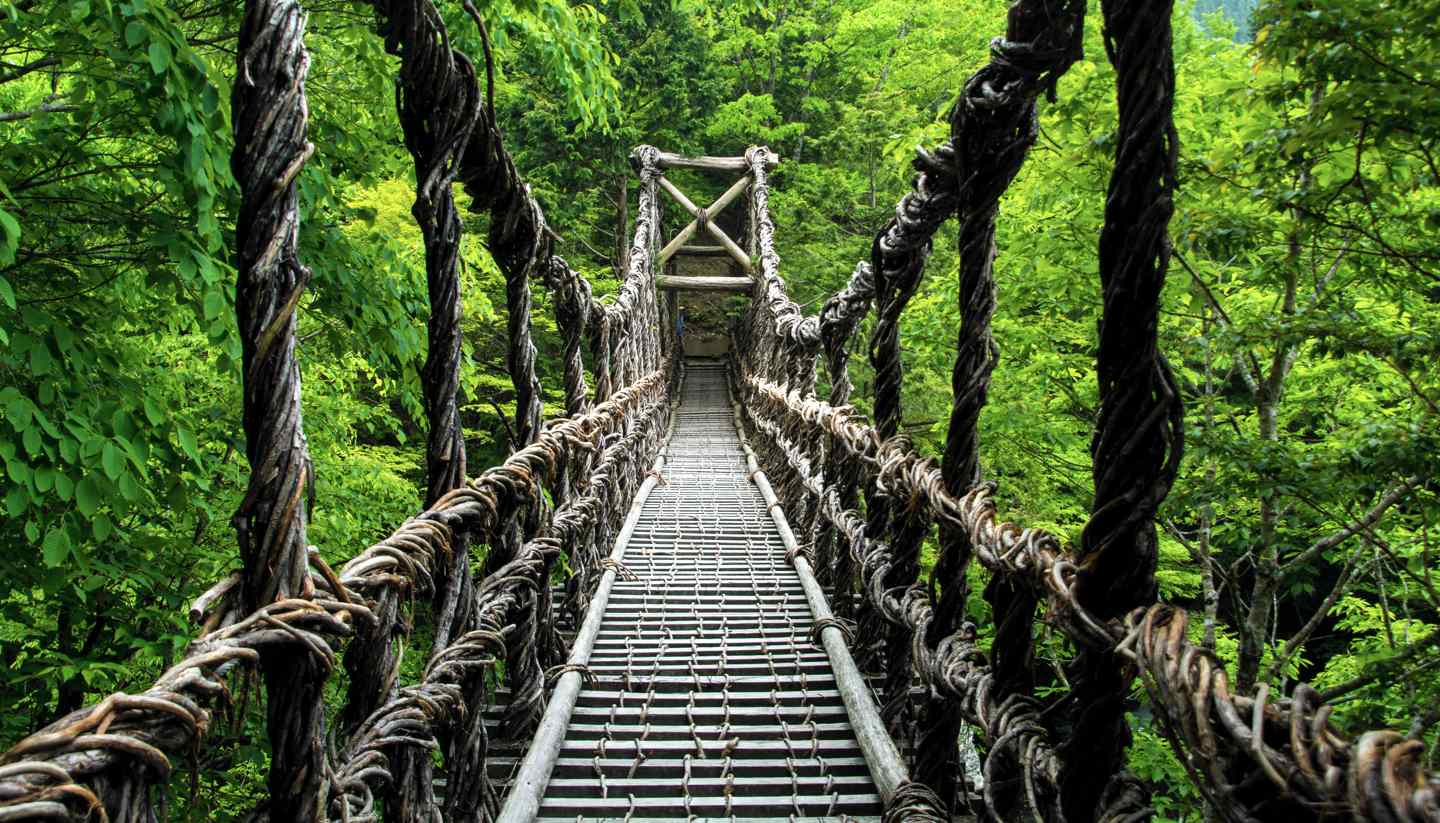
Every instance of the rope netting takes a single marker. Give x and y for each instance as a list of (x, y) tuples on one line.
[(862, 500), (868, 501)]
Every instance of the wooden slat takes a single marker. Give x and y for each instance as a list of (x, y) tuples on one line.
[(683, 283)]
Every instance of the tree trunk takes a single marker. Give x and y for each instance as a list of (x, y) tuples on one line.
[(622, 225), (69, 695), (1207, 512), (1271, 387)]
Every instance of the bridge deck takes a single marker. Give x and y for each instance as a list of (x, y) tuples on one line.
[(710, 701)]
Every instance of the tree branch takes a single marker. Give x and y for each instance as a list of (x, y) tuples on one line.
[(29, 67), (1363, 523), (1300, 637), (44, 108), (1255, 376), (1382, 668)]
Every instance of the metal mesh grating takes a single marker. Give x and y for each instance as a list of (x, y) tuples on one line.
[(710, 700)]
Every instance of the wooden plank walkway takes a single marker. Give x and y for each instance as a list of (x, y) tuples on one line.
[(710, 700)]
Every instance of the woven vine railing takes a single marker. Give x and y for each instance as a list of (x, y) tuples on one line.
[(861, 499), (286, 613), (867, 501)]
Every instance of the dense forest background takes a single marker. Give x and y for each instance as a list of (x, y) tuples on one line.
[(1300, 313)]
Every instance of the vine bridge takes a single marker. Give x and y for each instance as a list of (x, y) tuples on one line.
[(696, 592)]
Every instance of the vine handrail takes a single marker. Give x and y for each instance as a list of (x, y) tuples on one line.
[(861, 485)]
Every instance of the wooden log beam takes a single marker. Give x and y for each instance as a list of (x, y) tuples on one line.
[(696, 283), (684, 235), (670, 160), (702, 251), (718, 233)]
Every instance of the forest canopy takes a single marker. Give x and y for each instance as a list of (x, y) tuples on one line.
[(1300, 314)]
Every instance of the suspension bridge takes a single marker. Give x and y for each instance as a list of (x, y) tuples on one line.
[(741, 630)]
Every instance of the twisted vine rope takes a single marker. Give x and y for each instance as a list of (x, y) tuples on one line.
[(438, 101), (1303, 765), (286, 610), (1254, 758), (1139, 435), (993, 125), (270, 115)]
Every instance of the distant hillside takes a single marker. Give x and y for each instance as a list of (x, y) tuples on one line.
[(1237, 10)]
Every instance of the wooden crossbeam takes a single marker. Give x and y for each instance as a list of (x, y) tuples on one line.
[(683, 283), (702, 251), (715, 208), (669, 160)]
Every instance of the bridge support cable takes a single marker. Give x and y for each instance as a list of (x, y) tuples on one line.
[(1139, 435), (993, 125), (270, 150), (1067, 751), (112, 755), (437, 100)]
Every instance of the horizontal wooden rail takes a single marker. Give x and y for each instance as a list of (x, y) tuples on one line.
[(697, 283), (702, 251), (669, 160)]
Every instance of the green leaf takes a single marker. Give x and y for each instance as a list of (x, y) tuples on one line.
[(135, 33), (64, 486), (31, 438), (112, 459), (129, 489), (102, 526), (214, 304), (45, 423), (18, 410), (187, 442), (56, 547), (87, 496), (159, 56), (7, 294), (17, 500), (40, 359), (9, 240)]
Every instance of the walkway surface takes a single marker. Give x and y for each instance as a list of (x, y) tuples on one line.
[(710, 700)]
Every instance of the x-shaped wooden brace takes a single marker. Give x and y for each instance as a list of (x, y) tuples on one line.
[(704, 218)]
